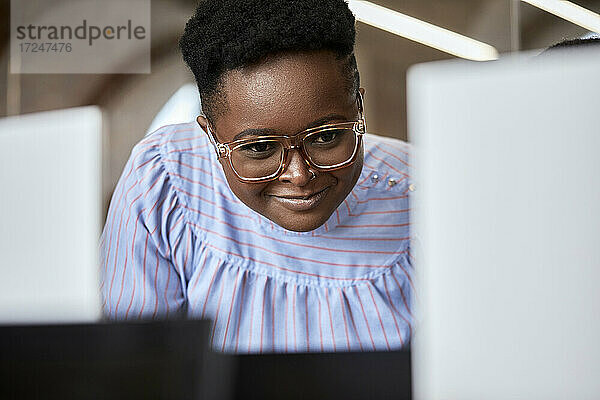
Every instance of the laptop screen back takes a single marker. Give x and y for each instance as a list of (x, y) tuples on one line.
[(507, 221), (50, 212)]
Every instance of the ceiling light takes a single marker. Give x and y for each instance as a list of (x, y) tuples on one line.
[(421, 31), (569, 11)]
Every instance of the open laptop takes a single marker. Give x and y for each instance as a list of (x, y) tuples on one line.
[(507, 226), (163, 360), (50, 171)]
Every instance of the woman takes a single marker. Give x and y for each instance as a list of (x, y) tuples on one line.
[(274, 215)]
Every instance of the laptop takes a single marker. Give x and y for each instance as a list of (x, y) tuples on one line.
[(160, 360), (507, 226), (348, 376), (50, 171)]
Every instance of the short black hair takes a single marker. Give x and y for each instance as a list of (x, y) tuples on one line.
[(580, 43), (225, 35)]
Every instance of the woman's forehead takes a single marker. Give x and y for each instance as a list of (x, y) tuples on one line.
[(284, 94)]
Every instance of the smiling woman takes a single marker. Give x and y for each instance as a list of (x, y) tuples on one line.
[(309, 91), (274, 214)]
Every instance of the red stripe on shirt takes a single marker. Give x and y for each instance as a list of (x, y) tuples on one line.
[(167, 289), (239, 321), (362, 239), (285, 319), (112, 280), (365, 316), (144, 276), (320, 325), (364, 180), (176, 223), (121, 186), (134, 269), (230, 310), (186, 149), (202, 198), (407, 277), (345, 322), (401, 293), (380, 212), (382, 199), (212, 336), (181, 163), (398, 149), (187, 250), (306, 314), (126, 257), (390, 166), (283, 268), (330, 320), (209, 287), (294, 309), (239, 229), (216, 206), (379, 316), (393, 155), (391, 304), (320, 262), (155, 286), (198, 275), (273, 318), (262, 316), (375, 226), (352, 319), (251, 317)]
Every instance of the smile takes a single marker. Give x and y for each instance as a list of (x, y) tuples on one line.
[(301, 203)]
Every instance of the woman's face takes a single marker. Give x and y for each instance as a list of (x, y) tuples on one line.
[(284, 96)]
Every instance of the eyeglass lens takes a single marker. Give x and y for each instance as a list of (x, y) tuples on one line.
[(326, 148)]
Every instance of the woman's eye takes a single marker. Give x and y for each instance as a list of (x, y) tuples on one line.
[(259, 150), (260, 147), (325, 137)]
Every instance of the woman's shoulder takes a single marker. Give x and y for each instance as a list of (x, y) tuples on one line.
[(171, 141), (187, 156), (194, 174)]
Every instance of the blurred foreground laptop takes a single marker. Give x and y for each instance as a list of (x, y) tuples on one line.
[(507, 216), (50, 173)]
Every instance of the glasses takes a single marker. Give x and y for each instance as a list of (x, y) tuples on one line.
[(324, 148)]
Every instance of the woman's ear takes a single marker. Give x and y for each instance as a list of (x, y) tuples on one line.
[(362, 91), (203, 122)]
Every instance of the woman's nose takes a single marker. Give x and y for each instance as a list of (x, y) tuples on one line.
[(297, 169)]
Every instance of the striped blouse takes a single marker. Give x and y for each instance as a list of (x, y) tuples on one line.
[(177, 240)]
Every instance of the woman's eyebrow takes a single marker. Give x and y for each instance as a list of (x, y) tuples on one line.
[(325, 120), (267, 131), (254, 132)]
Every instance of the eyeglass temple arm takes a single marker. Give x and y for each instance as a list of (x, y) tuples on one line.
[(220, 149), (361, 110)]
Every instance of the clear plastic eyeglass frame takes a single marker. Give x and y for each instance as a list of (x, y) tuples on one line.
[(294, 142)]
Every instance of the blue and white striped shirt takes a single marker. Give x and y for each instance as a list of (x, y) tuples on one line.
[(176, 238)]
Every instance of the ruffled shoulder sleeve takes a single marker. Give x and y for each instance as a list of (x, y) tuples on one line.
[(146, 247)]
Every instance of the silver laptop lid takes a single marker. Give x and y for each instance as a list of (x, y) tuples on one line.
[(507, 220), (50, 216)]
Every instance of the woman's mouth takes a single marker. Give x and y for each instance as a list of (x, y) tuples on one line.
[(300, 202)]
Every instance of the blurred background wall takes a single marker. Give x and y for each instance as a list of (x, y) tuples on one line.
[(131, 101)]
